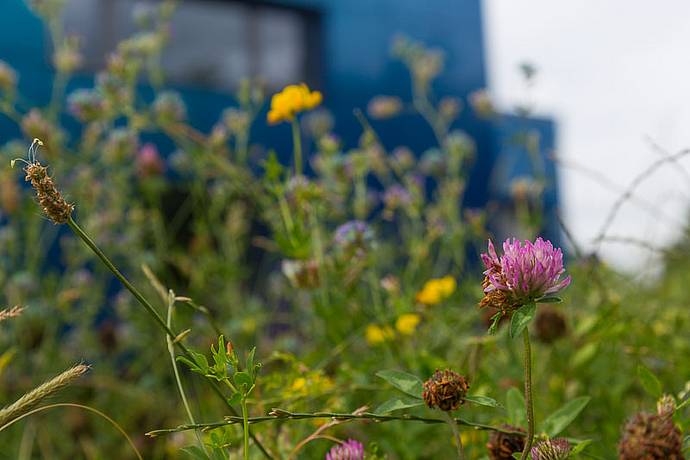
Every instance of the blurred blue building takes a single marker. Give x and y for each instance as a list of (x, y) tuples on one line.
[(341, 47)]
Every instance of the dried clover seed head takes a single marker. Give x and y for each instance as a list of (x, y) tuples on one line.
[(650, 437), (502, 446), (446, 390)]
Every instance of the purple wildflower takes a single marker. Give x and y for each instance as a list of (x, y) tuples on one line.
[(551, 449), (354, 233), (348, 450), (149, 162), (524, 273)]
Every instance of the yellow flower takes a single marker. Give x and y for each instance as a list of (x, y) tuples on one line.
[(292, 100), (436, 290), (407, 323), (376, 334)]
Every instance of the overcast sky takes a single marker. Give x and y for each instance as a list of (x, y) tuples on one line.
[(614, 75)]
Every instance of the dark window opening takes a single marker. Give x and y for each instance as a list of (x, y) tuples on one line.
[(213, 44)]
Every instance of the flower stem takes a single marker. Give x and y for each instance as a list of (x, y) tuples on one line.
[(456, 434), (528, 395), (297, 147), (245, 425)]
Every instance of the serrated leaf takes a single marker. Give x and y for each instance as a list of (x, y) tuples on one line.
[(562, 417), (521, 318), (407, 383), (515, 406), (482, 400), (649, 381), (397, 403), (549, 299)]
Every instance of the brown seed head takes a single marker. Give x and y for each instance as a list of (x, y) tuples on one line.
[(53, 204), (446, 390), (502, 446), (650, 437)]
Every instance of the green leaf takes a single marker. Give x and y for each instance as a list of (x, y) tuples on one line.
[(521, 318), (515, 405), (580, 446), (482, 400), (549, 299), (194, 452), (562, 417), (495, 319), (242, 378), (407, 383), (397, 403), (235, 398), (649, 382)]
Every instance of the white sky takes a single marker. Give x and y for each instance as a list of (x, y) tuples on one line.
[(612, 74)]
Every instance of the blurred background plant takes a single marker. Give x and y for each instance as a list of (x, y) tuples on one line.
[(367, 263)]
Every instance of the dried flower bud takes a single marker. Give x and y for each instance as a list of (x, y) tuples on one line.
[(67, 58), (87, 105), (666, 406), (149, 162), (482, 104), (303, 274), (53, 204), (449, 107), (551, 449), (446, 390), (169, 108), (650, 437), (8, 78), (550, 325), (502, 446), (383, 107)]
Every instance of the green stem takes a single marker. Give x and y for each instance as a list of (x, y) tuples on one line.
[(178, 380), (528, 395), (245, 425), (280, 414), (152, 311), (456, 435), (297, 147)]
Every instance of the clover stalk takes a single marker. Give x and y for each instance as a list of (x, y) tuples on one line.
[(528, 394)]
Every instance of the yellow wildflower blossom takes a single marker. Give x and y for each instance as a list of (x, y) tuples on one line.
[(292, 100), (436, 290), (376, 334), (407, 323)]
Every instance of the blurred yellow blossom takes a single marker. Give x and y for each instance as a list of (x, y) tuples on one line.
[(376, 334), (292, 100), (436, 290), (407, 323)]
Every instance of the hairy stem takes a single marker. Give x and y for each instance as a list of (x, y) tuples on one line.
[(245, 426), (456, 435), (281, 414), (528, 395)]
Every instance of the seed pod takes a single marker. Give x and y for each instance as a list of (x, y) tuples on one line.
[(49, 197), (446, 390), (650, 437), (502, 446)]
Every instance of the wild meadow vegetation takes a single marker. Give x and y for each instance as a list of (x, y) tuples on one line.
[(217, 303)]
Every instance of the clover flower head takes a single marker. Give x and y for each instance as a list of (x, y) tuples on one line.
[(551, 449), (525, 272), (355, 233), (348, 450), (292, 100)]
